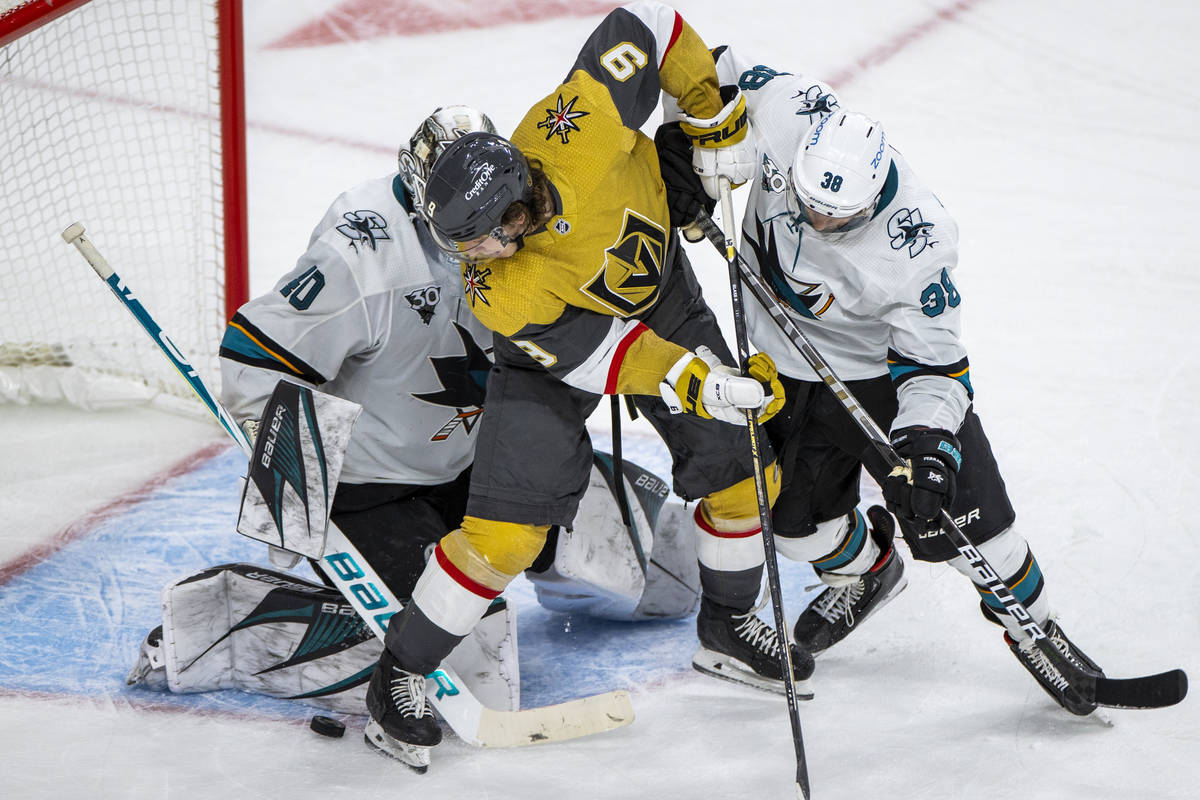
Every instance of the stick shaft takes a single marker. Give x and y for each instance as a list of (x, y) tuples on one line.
[(771, 561)]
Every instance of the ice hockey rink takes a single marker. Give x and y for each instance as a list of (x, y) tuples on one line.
[(1063, 137)]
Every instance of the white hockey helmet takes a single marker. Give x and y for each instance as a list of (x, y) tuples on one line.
[(445, 125), (840, 167)]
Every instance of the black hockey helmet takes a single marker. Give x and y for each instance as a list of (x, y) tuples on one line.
[(471, 185)]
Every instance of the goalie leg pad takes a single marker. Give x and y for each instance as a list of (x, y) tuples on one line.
[(597, 568), (239, 626)]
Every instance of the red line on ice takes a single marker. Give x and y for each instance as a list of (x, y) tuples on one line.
[(358, 20), (83, 526)]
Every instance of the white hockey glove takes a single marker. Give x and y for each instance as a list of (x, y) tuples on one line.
[(722, 146), (700, 384)]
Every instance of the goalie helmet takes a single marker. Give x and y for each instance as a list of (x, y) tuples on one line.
[(444, 126), (471, 186), (840, 168)]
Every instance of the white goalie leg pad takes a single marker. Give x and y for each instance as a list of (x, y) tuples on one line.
[(673, 577), (486, 660), (598, 568), (239, 626)]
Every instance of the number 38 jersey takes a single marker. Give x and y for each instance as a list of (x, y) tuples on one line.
[(572, 297), (873, 300), (374, 314)]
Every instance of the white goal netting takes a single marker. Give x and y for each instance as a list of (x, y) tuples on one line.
[(111, 117)]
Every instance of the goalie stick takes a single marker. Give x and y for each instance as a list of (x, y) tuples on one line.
[(350, 573), (1147, 691)]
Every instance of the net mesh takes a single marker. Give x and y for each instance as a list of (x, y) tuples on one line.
[(111, 117)]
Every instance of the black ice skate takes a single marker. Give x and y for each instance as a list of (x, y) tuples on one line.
[(1047, 671), (740, 647), (150, 669), (851, 599), (402, 725)]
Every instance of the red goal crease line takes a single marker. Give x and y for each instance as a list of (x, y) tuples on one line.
[(85, 525)]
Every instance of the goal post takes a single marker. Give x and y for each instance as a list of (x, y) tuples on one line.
[(127, 115)]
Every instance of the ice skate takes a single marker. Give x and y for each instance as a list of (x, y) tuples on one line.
[(851, 599), (402, 725), (150, 669), (740, 647), (1048, 671)]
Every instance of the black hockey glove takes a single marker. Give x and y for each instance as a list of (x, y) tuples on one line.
[(686, 197), (922, 489)]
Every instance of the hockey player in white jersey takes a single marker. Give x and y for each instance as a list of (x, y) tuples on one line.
[(373, 313), (861, 254)]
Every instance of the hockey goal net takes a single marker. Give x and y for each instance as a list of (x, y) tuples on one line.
[(125, 115)]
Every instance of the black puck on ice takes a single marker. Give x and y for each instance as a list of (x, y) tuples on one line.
[(327, 726)]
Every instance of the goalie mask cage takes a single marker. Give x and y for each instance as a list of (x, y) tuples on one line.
[(126, 115)]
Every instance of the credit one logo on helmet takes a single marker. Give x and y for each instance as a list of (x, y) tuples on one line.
[(482, 177)]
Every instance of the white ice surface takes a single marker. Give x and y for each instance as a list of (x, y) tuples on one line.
[(1062, 136)]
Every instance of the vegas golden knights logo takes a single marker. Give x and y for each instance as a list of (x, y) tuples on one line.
[(628, 281)]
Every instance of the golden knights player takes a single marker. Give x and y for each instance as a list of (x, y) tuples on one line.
[(373, 312), (570, 258)]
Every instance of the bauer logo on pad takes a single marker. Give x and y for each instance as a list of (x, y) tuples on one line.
[(294, 469)]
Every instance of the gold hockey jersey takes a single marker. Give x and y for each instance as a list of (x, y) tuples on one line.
[(571, 298)]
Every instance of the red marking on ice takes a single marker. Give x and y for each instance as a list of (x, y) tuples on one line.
[(83, 526), (359, 20), (889, 48)]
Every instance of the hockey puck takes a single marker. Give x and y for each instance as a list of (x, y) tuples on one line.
[(327, 726)]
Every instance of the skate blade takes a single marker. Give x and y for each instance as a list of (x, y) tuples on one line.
[(719, 665), (411, 755)]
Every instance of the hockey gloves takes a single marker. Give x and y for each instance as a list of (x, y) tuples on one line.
[(686, 197), (721, 145), (700, 384), (920, 490)]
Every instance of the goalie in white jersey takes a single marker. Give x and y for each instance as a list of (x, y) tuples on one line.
[(861, 255), (373, 313)]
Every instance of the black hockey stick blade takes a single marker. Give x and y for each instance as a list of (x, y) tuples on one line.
[(1149, 691)]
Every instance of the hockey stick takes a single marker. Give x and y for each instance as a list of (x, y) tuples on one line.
[(350, 573), (760, 489), (1148, 691)]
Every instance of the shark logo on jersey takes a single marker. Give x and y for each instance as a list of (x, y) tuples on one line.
[(807, 299), (907, 228), (814, 100), (773, 180), (363, 227), (561, 119), (464, 383), (475, 283), (424, 301)]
